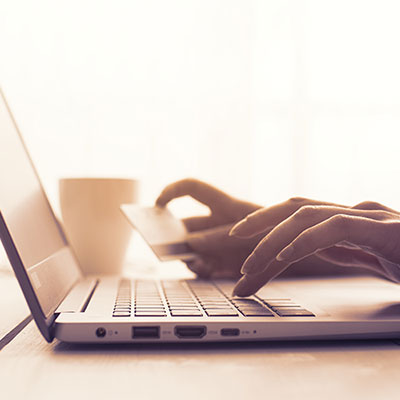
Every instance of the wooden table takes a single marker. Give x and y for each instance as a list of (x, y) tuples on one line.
[(30, 368)]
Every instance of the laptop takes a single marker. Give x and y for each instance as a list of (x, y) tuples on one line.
[(72, 308)]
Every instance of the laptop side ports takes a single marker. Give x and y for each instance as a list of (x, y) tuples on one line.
[(101, 332), (190, 332), (146, 332), (230, 332)]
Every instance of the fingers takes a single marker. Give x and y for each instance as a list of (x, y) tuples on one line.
[(267, 218), (358, 230), (349, 258), (202, 266), (372, 205), (324, 235), (249, 284), (200, 191), (281, 236)]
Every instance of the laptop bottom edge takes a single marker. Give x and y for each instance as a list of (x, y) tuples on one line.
[(220, 331)]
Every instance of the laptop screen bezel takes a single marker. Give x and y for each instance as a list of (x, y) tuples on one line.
[(44, 318), (45, 324)]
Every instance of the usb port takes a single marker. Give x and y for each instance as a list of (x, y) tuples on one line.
[(230, 332), (143, 332)]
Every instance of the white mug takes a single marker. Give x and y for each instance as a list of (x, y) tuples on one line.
[(94, 225)]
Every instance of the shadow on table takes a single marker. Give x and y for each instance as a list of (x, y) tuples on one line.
[(230, 347)]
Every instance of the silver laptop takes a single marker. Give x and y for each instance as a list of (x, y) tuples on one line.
[(67, 306)]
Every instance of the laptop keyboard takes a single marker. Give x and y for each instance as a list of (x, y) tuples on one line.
[(143, 298), (123, 301)]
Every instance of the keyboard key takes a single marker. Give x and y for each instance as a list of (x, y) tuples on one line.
[(267, 299), (183, 311), (250, 307), (214, 306), (186, 314), (150, 314), (122, 305), (279, 303), (244, 300), (145, 301), (259, 313), (179, 307), (218, 313), (286, 307), (295, 313), (205, 301)]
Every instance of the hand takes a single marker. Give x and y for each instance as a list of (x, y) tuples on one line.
[(221, 255), (366, 236)]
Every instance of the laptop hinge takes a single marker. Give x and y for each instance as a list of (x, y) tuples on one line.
[(79, 296)]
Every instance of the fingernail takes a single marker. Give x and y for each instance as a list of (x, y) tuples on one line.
[(235, 229), (250, 265), (238, 227), (285, 253)]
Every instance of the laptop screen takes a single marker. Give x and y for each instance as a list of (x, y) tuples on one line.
[(30, 220)]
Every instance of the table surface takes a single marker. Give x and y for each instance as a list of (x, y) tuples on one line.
[(31, 368)]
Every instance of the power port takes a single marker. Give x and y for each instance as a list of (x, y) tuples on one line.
[(101, 332)]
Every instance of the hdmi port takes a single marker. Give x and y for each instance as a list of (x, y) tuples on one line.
[(190, 332)]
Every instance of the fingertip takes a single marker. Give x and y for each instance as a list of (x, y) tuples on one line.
[(244, 230), (239, 235), (286, 254), (252, 265), (198, 266), (242, 288), (160, 202), (237, 228), (166, 195)]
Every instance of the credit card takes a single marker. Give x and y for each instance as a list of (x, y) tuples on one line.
[(162, 231)]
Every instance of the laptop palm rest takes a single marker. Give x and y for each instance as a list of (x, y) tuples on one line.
[(79, 296)]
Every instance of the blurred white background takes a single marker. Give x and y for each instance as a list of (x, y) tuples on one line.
[(267, 99)]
